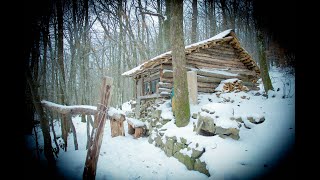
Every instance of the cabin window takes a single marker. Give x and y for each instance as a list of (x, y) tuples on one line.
[(150, 87), (154, 85), (146, 88)]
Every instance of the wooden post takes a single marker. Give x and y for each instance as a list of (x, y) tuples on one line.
[(116, 124), (192, 87), (137, 108), (97, 131)]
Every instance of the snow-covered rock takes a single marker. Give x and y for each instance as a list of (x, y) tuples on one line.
[(218, 119)]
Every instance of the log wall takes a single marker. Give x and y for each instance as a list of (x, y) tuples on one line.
[(223, 57)]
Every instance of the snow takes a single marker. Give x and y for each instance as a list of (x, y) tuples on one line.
[(165, 93), (115, 112), (166, 111), (135, 122), (186, 152), (126, 107), (218, 36), (257, 152), (220, 71), (168, 71)]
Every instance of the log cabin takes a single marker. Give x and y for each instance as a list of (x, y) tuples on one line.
[(215, 59)]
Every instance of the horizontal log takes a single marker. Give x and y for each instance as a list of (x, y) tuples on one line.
[(205, 79), (219, 50), (165, 85), (166, 80), (167, 66), (205, 65), (165, 94), (207, 85), (214, 58), (206, 90), (164, 90), (167, 73), (220, 56), (73, 110), (223, 63), (218, 75)]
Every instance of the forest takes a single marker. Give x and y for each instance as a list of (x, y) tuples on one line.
[(70, 45)]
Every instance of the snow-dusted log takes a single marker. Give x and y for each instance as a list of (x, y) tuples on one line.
[(75, 109)]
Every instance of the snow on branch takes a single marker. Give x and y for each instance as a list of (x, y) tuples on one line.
[(76, 109)]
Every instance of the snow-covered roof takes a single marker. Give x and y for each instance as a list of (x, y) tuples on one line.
[(225, 35)]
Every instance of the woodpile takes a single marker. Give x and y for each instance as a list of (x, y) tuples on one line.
[(235, 86)]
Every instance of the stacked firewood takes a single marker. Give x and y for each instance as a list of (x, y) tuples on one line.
[(235, 86)]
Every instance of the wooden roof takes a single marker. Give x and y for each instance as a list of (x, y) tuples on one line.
[(225, 36)]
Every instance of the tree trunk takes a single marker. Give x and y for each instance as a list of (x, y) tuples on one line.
[(93, 152), (224, 15), (263, 63), (160, 24), (44, 124), (212, 18), (194, 34), (166, 25), (64, 121), (182, 107), (74, 132)]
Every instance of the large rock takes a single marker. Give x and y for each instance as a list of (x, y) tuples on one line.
[(206, 122), (156, 114), (178, 146), (201, 167), (196, 153), (150, 140), (256, 120), (183, 140), (158, 141), (169, 146), (232, 132), (186, 160)]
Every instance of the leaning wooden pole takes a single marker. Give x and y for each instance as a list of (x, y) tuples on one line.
[(93, 152)]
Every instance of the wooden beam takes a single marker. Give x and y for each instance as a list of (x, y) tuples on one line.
[(73, 110)]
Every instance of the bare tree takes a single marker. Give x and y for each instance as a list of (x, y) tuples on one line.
[(194, 34), (263, 63)]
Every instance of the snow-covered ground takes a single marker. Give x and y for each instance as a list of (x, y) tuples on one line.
[(258, 150)]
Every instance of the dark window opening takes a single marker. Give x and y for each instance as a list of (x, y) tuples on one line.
[(150, 87)]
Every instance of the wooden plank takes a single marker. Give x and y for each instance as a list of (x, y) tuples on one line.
[(93, 152)]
